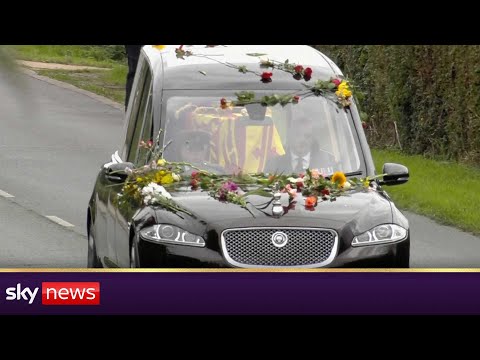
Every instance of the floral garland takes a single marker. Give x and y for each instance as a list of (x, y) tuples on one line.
[(336, 89), (149, 184)]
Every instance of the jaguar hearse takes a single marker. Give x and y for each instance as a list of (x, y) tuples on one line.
[(266, 113)]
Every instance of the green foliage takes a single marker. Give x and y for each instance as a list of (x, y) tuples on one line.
[(96, 55), (431, 93)]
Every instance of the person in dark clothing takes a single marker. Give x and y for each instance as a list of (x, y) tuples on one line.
[(133, 53), (303, 152)]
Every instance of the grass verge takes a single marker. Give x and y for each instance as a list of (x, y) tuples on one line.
[(90, 55), (110, 84), (446, 192)]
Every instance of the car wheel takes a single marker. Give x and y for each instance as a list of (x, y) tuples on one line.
[(134, 262), (93, 260)]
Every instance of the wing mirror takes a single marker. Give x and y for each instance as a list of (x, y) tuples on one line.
[(396, 174), (116, 170), (118, 173)]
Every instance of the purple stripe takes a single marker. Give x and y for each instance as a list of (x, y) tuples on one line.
[(260, 293)]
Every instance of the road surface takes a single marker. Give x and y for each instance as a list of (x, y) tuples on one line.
[(53, 141)]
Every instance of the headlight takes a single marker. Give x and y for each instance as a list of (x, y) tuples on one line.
[(171, 234), (381, 234)]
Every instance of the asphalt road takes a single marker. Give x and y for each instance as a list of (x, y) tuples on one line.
[(52, 143)]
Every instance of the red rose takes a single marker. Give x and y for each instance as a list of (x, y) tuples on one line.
[(194, 183), (194, 174), (296, 99), (325, 192), (364, 125), (299, 185), (298, 69), (337, 82), (308, 72), (267, 77)]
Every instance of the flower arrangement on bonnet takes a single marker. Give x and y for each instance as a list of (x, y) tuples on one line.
[(149, 185)]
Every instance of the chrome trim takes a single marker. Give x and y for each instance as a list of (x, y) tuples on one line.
[(378, 242), (284, 239), (174, 242), (332, 256)]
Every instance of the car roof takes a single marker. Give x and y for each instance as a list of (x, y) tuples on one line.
[(204, 73)]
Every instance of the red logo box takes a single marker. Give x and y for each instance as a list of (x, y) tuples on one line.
[(70, 293)]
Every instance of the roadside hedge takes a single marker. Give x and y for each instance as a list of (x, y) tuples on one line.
[(429, 92)]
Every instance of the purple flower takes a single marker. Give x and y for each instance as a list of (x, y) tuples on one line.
[(230, 186)]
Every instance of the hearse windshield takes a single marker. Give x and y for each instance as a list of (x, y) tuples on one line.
[(314, 133)]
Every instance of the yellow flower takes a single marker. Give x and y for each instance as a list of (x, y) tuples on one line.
[(343, 90), (139, 179), (159, 177), (167, 179), (347, 93), (159, 47), (339, 178), (161, 162)]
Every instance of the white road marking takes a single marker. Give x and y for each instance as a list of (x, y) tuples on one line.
[(60, 221), (5, 194)]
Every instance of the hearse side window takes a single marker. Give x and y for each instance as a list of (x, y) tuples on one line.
[(135, 96), (147, 132), (145, 99)]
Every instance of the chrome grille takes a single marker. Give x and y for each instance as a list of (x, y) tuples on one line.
[(253, 247)]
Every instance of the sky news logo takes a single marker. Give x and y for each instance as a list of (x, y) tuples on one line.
[(57, 293)]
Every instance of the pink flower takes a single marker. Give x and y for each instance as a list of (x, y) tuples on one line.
[(337, 82), (315, 174), (292, 193), (230, 186), (296, 99)]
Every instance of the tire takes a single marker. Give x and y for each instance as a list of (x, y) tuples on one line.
[(134, 260), (93, 260), (403, 262)]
